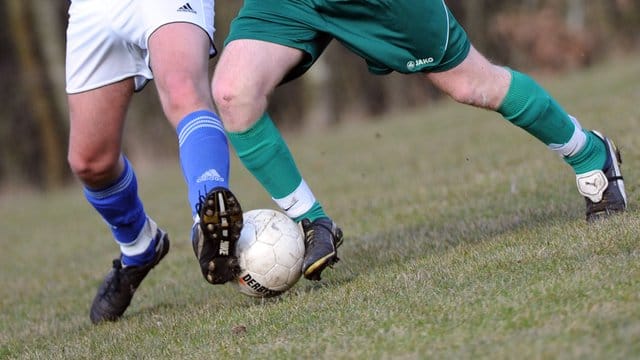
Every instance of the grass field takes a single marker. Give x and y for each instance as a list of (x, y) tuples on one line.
[(464, 239)]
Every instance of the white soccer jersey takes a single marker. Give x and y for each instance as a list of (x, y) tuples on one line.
[(107, 40)]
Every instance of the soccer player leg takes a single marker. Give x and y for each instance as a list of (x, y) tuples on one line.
[(123, 211), (593, 157), (265, 154), (217, 215), (241, 85), (527, 105), (110, 186), (204, 155), (142, 245), (183, 87)]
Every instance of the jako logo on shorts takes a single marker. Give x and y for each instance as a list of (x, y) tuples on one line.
[(412, 64)]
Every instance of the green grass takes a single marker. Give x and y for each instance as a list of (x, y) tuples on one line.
[(464, 238)]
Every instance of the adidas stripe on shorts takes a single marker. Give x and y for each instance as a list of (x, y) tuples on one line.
[(107, 40)]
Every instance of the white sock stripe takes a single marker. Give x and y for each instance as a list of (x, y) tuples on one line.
[(184, 135), (211, 117), (142, 241), (575, 144), (298, 202), (203, 119), (113, 189), (198, 123), (201, 122)]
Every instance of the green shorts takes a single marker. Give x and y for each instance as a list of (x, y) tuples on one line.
[(406, 36)]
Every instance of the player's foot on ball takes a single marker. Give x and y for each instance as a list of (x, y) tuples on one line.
[(604, 189), (322, 238), (117, 289), (215, 234)]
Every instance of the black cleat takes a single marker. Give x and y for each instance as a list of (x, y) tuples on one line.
[(118, 287), (604, 189), (215, 235), (322, 238)]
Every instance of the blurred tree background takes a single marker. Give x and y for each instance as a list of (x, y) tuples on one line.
[(540, 36)]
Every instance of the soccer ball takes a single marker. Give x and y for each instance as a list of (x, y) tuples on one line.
[(270, 252)]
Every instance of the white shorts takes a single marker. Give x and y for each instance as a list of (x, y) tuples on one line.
[(107, 40)]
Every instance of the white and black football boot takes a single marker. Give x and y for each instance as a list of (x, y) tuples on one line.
[(603, 189), (215, 233)]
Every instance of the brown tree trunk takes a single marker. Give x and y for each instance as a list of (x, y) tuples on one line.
[(475, 22), (50, 138)]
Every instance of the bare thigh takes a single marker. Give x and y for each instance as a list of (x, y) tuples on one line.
[(180, 61), (95, 136)]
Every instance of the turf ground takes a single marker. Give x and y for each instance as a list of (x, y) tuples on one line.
[(464, 238)]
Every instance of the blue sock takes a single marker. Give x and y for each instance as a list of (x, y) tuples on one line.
[(140, 259), (204, 154), (143, 250), (120, 206)]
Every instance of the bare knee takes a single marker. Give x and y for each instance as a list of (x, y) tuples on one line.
[(96, 170), (475, 82), (225, 94), (476, 92), (238, 109), (465, 92)]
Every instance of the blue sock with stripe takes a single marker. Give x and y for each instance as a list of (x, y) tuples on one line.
[(204, 154), (122, 209)]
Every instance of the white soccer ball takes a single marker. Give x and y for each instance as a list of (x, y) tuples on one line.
[(270, 252)]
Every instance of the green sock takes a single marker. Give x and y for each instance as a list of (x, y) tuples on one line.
[(593, 155), (314, 213), (528, 106), (265, 154)]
